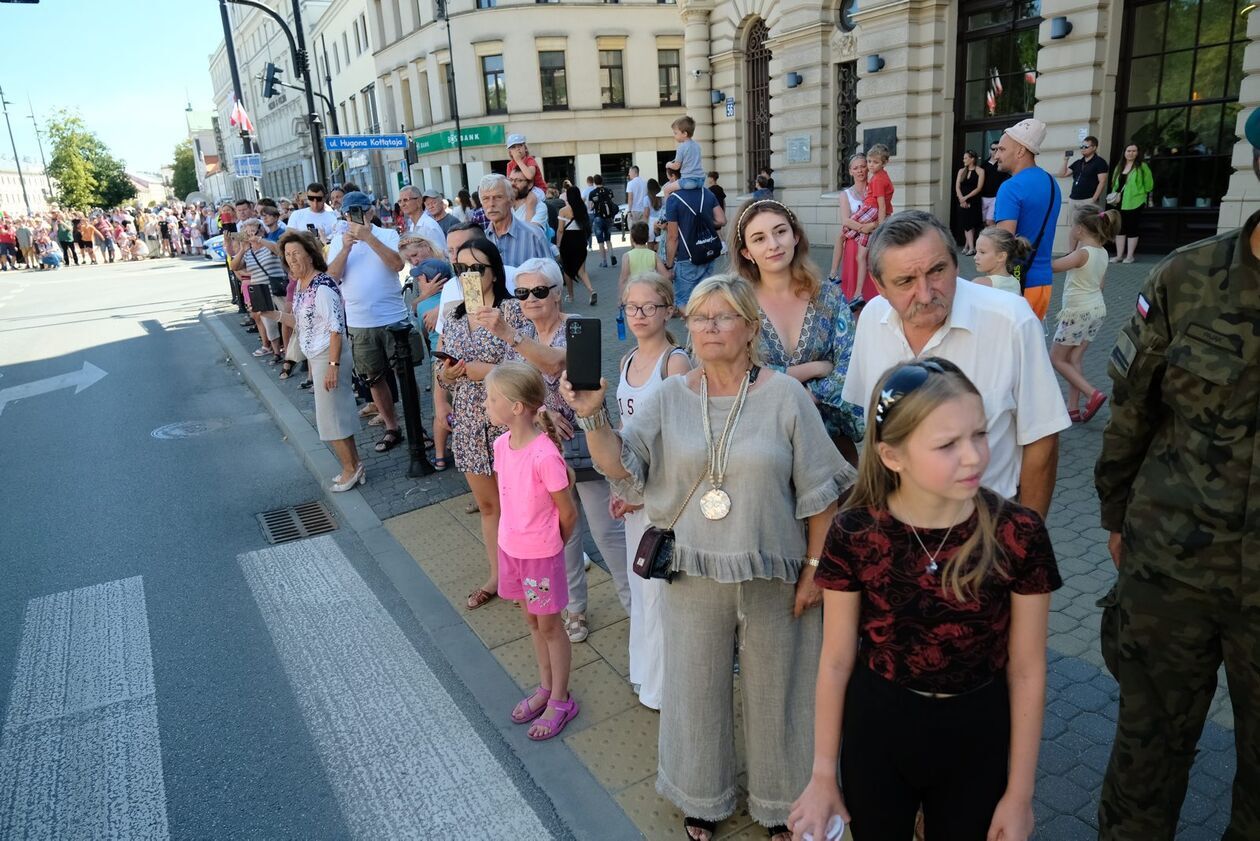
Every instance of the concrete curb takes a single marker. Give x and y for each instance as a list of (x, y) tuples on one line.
[(579, 800)]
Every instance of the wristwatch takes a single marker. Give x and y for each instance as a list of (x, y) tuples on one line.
[(335, 364), (596, 421), (517, 338)]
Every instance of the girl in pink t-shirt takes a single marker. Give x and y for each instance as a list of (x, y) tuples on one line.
[(537, 515)]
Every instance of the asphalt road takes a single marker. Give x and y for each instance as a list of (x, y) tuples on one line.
[(166, 673)]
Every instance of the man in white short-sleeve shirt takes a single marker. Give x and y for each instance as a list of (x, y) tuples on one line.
[(925, 309), (364, 260), (316, 213), (637, 200)]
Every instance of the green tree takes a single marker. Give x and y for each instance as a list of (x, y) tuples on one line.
[(69, 166), (87, 174), (184, 180), (112, 184)]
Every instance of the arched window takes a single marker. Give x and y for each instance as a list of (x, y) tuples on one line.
[(756, 101)]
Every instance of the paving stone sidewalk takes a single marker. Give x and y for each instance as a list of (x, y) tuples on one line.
[(616, 737)]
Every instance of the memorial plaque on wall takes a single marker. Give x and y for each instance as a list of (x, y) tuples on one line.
[(886, 135)]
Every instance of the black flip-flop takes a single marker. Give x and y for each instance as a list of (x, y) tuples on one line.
[(392, 438)]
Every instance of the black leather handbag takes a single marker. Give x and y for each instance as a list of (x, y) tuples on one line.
[(655, 556)]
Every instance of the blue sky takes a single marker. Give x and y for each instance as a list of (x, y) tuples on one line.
[(123, 65)]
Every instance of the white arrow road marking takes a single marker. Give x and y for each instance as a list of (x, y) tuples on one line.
[(88, 375), (402, 759), (80, 755)]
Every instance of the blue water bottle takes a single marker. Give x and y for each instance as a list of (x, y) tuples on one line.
[(621, 324)]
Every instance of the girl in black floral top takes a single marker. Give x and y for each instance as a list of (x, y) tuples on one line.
[(936, 601)]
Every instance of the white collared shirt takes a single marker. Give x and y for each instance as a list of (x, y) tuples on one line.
[(427, 227), (999, 343)]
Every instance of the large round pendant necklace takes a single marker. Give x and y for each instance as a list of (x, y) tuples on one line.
[(715, 503)]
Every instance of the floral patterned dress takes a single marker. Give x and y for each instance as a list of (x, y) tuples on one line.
[(555, 402), (826, 335), (472, 439)]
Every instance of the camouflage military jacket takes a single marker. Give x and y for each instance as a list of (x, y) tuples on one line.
[(1178, 473)]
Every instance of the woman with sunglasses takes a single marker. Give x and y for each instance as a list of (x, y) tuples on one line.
[(736, 457), (471, 353), (807, 328), (542, 343)]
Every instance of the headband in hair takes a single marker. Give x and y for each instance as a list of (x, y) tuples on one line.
[(739, 224)]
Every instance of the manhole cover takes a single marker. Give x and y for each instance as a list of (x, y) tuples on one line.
[(305, 520), (187, 429)]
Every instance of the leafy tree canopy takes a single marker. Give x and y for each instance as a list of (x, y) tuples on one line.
[(87, 174), (184, 180)]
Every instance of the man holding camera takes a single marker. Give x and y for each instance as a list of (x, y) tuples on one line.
[(365, 261)]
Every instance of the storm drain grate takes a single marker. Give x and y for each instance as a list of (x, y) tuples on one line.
[(305, 520)]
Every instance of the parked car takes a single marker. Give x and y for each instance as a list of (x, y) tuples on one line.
[(214, 250)]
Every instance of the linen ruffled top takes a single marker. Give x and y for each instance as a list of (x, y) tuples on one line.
[(782, 469)]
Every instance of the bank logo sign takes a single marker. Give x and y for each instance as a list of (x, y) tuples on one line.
[(440, 141)]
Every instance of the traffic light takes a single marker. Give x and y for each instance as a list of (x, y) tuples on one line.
[(269, 80)]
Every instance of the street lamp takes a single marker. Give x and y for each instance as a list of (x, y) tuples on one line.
[(17, 162), (301, 66), (450, 52), (48, 193)]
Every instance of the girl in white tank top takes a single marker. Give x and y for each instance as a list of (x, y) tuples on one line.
[(648, 300)]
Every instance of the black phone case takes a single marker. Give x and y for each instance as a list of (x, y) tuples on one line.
[(260, 298), (582, 357)]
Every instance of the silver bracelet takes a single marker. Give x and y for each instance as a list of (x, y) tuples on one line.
[(599, 420)]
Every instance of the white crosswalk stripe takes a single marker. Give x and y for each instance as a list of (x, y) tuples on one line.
[(403, 760), (80, 755)]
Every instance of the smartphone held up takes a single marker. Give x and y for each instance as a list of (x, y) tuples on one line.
[(583, 358)]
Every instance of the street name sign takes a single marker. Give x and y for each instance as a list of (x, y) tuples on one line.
[(364, 142)]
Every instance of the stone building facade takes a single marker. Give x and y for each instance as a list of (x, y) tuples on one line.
[(800, 85)]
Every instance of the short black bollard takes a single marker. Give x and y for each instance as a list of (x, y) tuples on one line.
[(420, 464)]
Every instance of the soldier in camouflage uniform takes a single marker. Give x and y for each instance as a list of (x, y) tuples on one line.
[(1179, 484)]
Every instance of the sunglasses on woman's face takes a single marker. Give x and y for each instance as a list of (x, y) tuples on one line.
[(479, 268), (540, 292)]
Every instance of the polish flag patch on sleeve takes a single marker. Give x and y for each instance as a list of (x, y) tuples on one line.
[(1143, 306)]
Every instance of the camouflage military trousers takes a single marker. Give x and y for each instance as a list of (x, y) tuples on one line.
[(1164, 642)]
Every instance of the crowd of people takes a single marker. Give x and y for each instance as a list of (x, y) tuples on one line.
[(60, 238), (832, 487)]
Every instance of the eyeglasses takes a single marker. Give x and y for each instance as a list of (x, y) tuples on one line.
[(724, 321), (522, 293), (1087, 145), (645, 311), (904, 380), (408, 198), (479, 268), (314, 198)]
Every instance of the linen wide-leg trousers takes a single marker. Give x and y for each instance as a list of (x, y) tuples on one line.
[(778, 660)]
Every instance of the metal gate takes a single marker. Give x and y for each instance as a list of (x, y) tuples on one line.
[(757, 99)]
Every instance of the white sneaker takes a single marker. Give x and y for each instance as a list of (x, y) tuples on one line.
[(576, 628), (586, 561)]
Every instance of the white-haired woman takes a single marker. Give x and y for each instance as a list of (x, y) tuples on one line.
[(737, 459), (542, 343)]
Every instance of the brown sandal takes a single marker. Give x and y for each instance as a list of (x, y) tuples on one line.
[(479, 598)]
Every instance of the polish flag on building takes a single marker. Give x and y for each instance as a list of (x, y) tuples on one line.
[(240, 119)]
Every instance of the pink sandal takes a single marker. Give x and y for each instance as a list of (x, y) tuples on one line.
[(524, 712), (559, 713)]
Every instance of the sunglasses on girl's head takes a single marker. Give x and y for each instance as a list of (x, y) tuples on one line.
[(522, 293), (479, 268), (905, 380)]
